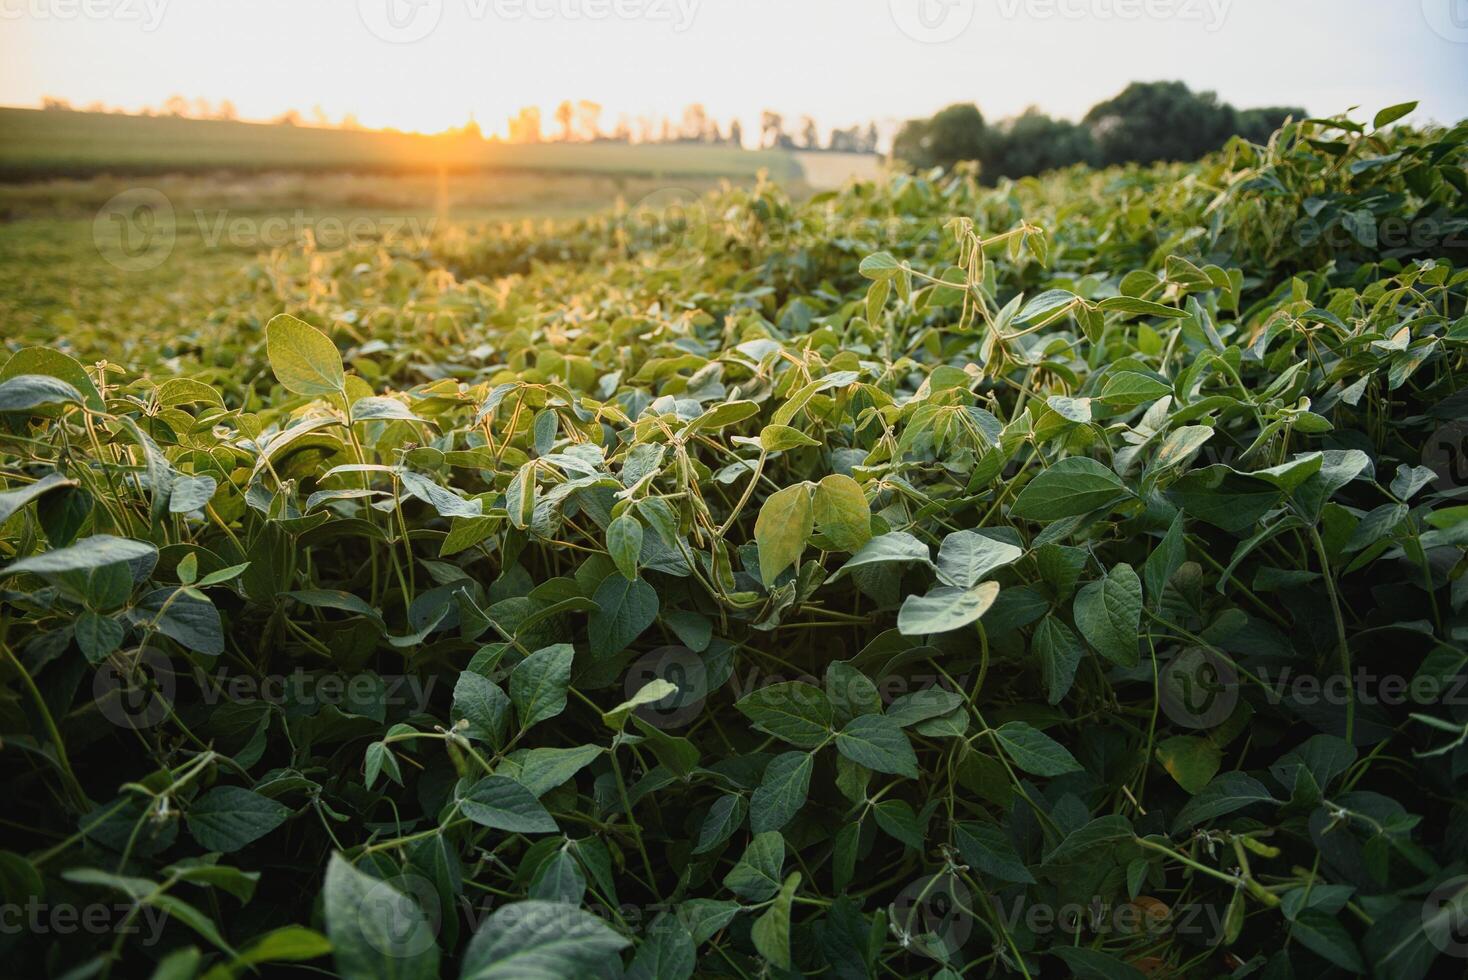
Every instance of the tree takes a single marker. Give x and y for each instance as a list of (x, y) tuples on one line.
[(694, 125), (565, 117), (772, 129), (1153, 121), (870, 140), (525, 126), (588, 120), (736, 133), (955, 133), (1033, 143), (810, 137)]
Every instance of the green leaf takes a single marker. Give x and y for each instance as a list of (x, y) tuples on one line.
[(987, 848), (31, 390), (880, 266), (504, 804), (967, 557), (624, 544), (756, 877), (1324, 935), (895, 546), (877, 742), (1109, 615), (304, 360), (97, 635), (771, 931), (841, 514), (781, 531), (35, 361), (1060, 653), (543, 769), (377, 931), (13, 500), (625, 607), (650, 693), (1034, 751), (1229, 792), (88, 553), (539, 683), (945, 609), (186, 617), (1391, 114), (779, 438), (794, 711), (288, 944), (227, 818), (1093, 964), (480, 702), (782, 791), (535, 940), (1074, 486)]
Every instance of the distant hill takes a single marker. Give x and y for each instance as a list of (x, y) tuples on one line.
[(36, 143)]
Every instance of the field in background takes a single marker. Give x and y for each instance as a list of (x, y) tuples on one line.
[(37, 144), (88, 200)]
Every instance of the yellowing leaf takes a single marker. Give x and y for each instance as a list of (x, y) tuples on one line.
[(781, 531)]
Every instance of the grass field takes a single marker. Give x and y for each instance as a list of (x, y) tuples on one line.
[(38, 144)]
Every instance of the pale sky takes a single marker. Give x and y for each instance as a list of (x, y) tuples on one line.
[(842, 61)]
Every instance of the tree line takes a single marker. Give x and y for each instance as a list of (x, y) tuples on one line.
[(1147, 122)]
